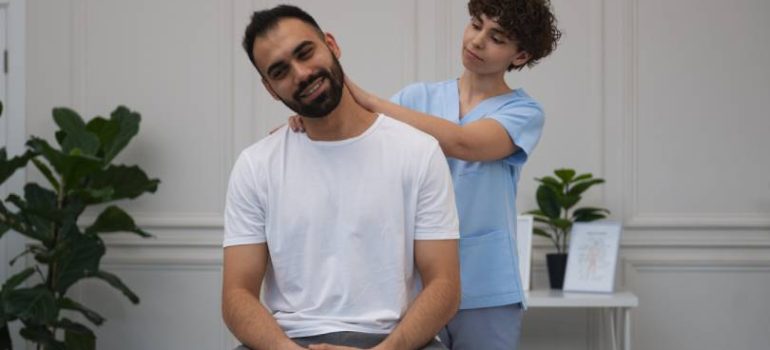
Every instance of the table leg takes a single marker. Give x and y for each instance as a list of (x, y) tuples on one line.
[(611, 319), (627, 329)]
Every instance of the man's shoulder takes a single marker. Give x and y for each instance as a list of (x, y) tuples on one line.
[(406, 134), (267, 146)]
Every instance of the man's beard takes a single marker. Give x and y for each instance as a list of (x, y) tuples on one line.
[(327, 101)]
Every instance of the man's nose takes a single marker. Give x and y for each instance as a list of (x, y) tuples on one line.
[(301, 72)]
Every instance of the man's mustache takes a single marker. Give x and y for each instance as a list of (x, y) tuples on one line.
[(304, 84)]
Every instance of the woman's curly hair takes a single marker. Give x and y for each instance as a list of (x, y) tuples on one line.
[(530, 23)]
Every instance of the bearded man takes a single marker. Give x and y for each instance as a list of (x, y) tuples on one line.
[(348, 231)]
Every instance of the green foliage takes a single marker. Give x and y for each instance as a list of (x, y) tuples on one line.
[(80, 173), (556, 198)]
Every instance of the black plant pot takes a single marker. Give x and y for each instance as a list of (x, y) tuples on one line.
[(557, 265)]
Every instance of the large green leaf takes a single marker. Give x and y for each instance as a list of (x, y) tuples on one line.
[(69, 304), (76, 136), (553, 182), (568, 201), (70, 325), (5, 337), (126, 182), (79, 341), (565, 175), (93, 195), (36, 305), (26, 225), (582, 186), (40, 201), (590, 210), (116, 283), (538, 216), (590, 217), (582, 177), (563, 224), (541, 232), (73, 207), (116, 132), (548, 201), (114, 219), (589, 214), (77, 336), (17, 279), (38, 211), (46, 171), (42, 335), (9, 166), (80, 257), (72, 167)]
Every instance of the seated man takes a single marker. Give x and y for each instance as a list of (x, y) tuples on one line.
[(338, 220)]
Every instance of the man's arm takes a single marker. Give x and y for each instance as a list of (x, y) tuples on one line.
[(247, 319), (438, 264)]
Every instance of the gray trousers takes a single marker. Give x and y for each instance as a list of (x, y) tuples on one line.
[(354, 339), (492, 328)]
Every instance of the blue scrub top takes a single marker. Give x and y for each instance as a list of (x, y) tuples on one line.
[(485, 191)]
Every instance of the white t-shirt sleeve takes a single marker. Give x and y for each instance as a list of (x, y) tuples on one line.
[(244, 206), (436, 209)]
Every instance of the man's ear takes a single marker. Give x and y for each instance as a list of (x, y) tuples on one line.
[(270, 89), (521, 58), (332, 44)]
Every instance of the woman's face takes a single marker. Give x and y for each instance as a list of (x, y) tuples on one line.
[(487, 48)]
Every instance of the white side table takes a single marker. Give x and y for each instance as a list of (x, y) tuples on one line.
[(617, 305)]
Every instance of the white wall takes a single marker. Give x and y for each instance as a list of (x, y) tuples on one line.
[(663, 98)]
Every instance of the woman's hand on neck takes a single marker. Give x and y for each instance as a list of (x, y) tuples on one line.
[(346, 121)]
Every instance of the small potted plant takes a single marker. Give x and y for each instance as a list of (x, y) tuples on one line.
[(557, 198)]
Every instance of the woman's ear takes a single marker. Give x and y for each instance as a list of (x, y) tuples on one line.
[(521, 58)]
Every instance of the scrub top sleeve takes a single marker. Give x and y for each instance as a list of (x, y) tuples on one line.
[(413, 96), (244, 208), (524, 125)]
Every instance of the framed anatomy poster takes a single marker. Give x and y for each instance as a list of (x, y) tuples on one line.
[(593, 256)]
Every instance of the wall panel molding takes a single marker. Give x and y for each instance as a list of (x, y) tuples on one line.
[(621, 93), (226, 103)]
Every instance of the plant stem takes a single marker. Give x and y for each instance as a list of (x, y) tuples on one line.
[(555, 237), (565, 232), (52, 267)]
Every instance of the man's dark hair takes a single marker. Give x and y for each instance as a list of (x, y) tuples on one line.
[(530, 23), (262, 21)]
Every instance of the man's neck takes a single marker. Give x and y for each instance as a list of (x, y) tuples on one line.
[(346, 121)]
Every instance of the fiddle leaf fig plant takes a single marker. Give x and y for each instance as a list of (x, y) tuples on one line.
[(557, 197), (61, 250)]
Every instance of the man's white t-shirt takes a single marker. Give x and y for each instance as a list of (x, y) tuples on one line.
[(340, 219)]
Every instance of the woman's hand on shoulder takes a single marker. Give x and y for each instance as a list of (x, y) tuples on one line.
[(295, 124)]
